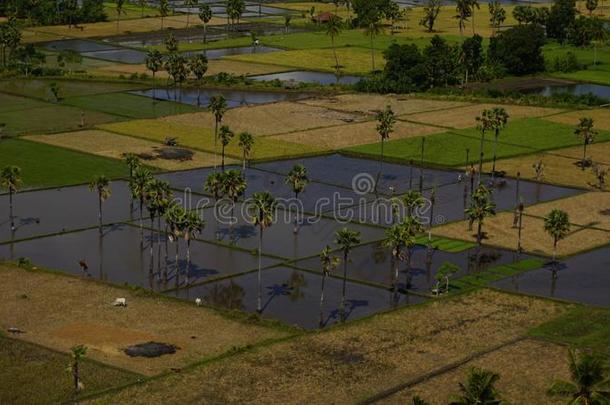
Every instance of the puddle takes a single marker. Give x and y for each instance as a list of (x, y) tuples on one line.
[(119, 55), (78, 45), (308, 77), (150, 349), (583, 278), (293, 297), (574, 89)]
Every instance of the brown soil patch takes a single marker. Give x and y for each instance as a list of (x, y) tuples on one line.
[(56, 306)]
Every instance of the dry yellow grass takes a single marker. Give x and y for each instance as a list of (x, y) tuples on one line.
[(60, 312), (115, 146), (465, 117), (585, 210), (601, 117), (526, 368), (559, 165), (101, 29), (270, 119), (373, 103), (348, 364), (354, 134)]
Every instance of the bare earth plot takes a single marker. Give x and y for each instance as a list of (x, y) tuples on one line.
[(465, 117), (560, 166), (524, 375), (60, 312), (354, 134), (589, 210), (116, 146), (371, 104), (351, 363), (601, 117)]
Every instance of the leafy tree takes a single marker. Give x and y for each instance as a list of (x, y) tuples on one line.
[(519, 49), (590, 383), (225, 137), (591, 5), (368, 11), (297, 179), (154, 63), (10, 38), (333, 29), (586, 133), (497, 15), (440, 62), (585, 30), (78, 353), (205, 15), (246, 143), (431, 11), (101, 185), (557, 225), (404, 68), (478, 389), (235, 8), (347, 240), (473, 56), (561, 17), (386, 120), (264, 207), (199, 66), (10, 179), (444, 273), (218, 107), (69, 57), (329, 263)]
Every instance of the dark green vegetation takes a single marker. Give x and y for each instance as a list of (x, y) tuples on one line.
[(45, 166), (520, 137), (46, 12), (490, 275), (31, 374)]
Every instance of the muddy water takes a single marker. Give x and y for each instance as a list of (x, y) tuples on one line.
[(583, 278), (293, 297)]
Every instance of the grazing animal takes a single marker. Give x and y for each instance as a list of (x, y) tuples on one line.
[(198, 302), (83, 265), (120, 302)]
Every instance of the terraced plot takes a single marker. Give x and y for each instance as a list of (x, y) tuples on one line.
[(601, 117)]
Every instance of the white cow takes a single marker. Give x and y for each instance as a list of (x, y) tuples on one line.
[(120, 302)]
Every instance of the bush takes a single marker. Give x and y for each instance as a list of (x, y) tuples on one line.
[(565, 63), (519, 49)]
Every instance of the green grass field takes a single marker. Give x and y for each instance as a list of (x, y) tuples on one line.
[(129, 105), (599, 73), (522, 136), (38, 88), (48, 166), (30, 374)]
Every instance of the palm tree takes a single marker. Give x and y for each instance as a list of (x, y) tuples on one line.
[(499, 118), (246, 142), (189, 4), (396, 239), (225, 136), (478, 389), (333, 29), (213, 185), (444, 273), (412, 199), (474, 4), (385, 126), (205, 15), (329, 263), (287, 19), (193, 225), (133, 162), (297, 179), (137, 185), (154, 196), (100, 184), (142, 4), (154, 63), (78, 353), (589, 385), (346, 239), (372, 30), (10, 179), (218, 107), (163, 10), (480, 208), (199, 66), (119, 11), (233, 185), (484, 123), (412, 227), (585, 131), (557, 225), (263, 205), (462, 7), (175, 217)]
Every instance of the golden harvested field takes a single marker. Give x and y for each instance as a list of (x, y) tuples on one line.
[(60, 312), (601, 117), (372, 103), (585, 210), (354, 134), (527, 369), (465, 117), (116, 146), (351, 363), (270, 119), (559, 165), (101, 29), (202, 138)]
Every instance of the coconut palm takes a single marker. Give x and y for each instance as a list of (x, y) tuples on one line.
[(263, 205), (329, 263), (189, 4), (333, 29), (137, 186), (119, 11), (199, 66), (225, 137), (347, 240), (444, 273), (163, 10), (205, 15), (193, 225), (499, 119), (10, 179), (373, 29), (478, 389), (385, 126), (154, 63), (78, 353), (101, 185), (557, 225), (480, 208), (246, 142), (218, 107), (233, 186), (590, 384), (585, 131), (297, 179)]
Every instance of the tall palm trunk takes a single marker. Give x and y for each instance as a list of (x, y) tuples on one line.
[(216, 144), (141, 222), (99, 212), (373, 52), (205, 33), (152, 245), (396, 272), (584, 156), (244, 162), (321, 323), (409, 254), (332, 39), (159, 245), (259, 298), (222, 165), (481, 158), (342, 307), (188, 259), (493, 166)]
